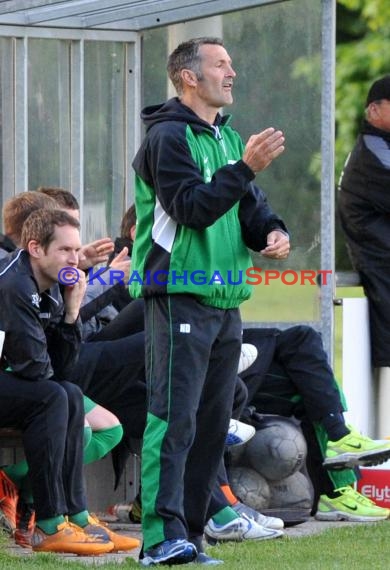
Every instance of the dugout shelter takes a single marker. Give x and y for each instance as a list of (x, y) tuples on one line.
[(74, 75)]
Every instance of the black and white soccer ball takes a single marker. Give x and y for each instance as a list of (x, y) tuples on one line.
[(277, 450), (249, 487), (295, 491)]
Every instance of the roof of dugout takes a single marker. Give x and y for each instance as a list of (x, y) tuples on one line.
[(128, 15)]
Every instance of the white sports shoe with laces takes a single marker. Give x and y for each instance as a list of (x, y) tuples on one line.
[(248, 356), (239, 433), (239, 529), (263, 520)]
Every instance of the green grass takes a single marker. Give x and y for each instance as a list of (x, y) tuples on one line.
[(356, 547), (279, 302), (350, 548)]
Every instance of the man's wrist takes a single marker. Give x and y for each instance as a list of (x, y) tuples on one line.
[(282, 232), (245, 169), (274, 228), (70, 318)]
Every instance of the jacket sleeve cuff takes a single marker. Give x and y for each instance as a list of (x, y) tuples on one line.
[(245, 170)]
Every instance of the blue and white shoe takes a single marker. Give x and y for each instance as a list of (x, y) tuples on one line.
[(239, 433), (174, 551)]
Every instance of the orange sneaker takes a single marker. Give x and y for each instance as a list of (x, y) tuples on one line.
[(25, 524), (70, 539), (97, 528), (8, 503)]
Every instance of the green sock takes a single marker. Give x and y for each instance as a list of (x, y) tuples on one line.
[(225, 515), (81, 519), (49, 526), (102, 442), (17, 472)]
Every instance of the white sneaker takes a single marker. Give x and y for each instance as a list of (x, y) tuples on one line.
[(239, 529), (267, 522), (239, 433), (248, 356)]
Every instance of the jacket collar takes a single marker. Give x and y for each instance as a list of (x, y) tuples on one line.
[(368, 129)]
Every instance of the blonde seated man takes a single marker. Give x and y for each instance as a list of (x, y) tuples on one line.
[(42, 339)]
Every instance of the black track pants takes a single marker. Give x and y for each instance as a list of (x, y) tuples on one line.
[(192, 354)]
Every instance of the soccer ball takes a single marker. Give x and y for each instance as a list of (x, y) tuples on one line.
[(293, 491), (249, 487), (277, 450)]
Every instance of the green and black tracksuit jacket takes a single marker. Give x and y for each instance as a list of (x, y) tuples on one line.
[(198, 210)]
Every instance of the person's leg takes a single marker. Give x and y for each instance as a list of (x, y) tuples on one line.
[(131, 411), (376, 283), (177, 359), (104, 432), (72, 463), (203, 495), (112, 373), (240, 398), (106, 429), (129, 321), (335, 499), (74, 476), (213, 416), (51, 416), (300, 352), (279, 396), (321, 478), (224, 507), (40, 409), (107, 370), (265, 342)]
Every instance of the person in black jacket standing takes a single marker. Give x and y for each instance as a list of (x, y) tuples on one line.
[(364, 208)]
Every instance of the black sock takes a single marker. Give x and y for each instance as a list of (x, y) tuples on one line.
[(335, 426), (197, 542), (333, 494)]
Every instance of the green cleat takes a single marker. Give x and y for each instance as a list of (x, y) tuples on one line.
[(349, 506), (356, 450)]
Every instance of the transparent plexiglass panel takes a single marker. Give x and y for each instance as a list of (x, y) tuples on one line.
[(6, 122), (2, 71), (279, 85), (104, 138), (48, 113), (276, 53)]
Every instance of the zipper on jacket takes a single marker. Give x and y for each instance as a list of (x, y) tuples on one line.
[(229, 215), (219, 137)]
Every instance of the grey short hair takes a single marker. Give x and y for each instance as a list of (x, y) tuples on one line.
[(187, 56)]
